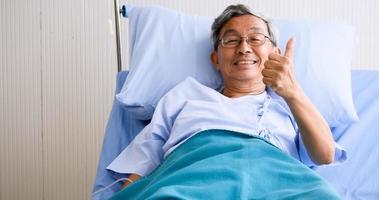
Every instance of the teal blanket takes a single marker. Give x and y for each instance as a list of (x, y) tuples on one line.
[(219, 164)]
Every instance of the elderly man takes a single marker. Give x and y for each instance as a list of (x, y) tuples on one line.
[(261, 108)]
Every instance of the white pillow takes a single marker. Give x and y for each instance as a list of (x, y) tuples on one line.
[(167, 46), (322, 62)]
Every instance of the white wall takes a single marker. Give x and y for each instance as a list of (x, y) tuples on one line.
[(57, 76)]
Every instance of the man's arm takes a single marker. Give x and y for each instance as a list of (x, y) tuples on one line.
[(315, 133)]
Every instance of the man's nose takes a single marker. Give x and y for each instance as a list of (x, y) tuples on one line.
[(244, 47)]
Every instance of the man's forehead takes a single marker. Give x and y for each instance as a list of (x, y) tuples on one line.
[(246, 23), (252, 29)]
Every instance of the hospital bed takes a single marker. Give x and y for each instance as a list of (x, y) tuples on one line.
[(356, 178)]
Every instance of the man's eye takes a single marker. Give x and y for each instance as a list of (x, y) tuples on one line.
[(232, 40), (254, 39)]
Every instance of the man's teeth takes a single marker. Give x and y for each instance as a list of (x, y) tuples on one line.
[(250, 62)]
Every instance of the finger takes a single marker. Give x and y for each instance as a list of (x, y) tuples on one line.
[(276, 57), (271, 64), (269, 82), (290, 48), (267, 73)]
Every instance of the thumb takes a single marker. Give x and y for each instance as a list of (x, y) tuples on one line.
[(290, 48)]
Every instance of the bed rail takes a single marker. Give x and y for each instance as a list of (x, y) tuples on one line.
[(117, 12)]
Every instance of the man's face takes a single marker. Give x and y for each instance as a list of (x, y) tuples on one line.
[(243, 62)]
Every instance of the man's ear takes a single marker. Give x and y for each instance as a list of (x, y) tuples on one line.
[(277, 50), (214, 59)]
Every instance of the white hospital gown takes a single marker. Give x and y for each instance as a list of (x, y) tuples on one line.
[(191, 107)]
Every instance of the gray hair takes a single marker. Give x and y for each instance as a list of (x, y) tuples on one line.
[(235, 11)]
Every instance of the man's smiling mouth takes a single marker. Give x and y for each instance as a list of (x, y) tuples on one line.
[(246, 62)]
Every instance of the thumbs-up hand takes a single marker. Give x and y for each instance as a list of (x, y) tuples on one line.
[(278, 72)]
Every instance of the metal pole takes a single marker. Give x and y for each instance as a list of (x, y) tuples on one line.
[(118, 42)]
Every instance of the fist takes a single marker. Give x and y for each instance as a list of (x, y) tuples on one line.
[(278, 72)]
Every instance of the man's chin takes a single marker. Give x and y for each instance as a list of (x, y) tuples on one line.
[(251, 77)]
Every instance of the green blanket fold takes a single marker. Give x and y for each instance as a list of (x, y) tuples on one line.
[(219, 164)]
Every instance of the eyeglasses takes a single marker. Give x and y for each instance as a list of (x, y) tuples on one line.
[(232, 41)]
